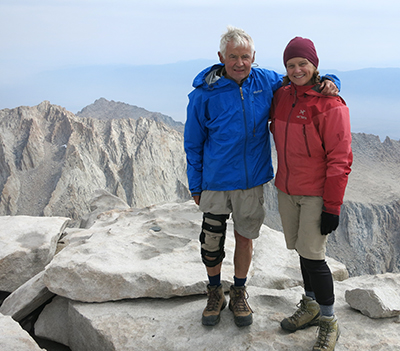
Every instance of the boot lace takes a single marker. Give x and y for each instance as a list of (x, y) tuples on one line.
[(323, 336), (239, 303), (213, 300), (302, 309)]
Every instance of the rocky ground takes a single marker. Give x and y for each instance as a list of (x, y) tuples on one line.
[(134, 280)]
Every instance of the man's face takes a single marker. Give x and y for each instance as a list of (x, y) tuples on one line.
[(237, 61)]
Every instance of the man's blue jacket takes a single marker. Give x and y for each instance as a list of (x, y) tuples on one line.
[(226, 133), (227, 141)]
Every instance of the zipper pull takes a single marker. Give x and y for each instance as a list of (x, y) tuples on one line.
[(241, 93)]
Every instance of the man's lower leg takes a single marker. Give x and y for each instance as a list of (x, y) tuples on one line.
[(243, 314)]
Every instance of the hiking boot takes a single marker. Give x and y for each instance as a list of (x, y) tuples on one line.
[(242, 312), (329, 333), (306, 315), (215, 304)]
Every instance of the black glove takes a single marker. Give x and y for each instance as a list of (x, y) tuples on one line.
[(329, 222)]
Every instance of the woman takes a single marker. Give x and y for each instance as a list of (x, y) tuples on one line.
[(313, 142)]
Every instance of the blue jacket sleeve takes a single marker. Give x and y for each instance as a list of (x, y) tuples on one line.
[(275, 79), (194, 138)]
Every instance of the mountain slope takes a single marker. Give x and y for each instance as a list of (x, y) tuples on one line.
[(52, 161)]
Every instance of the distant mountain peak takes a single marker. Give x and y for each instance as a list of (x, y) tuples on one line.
[(105, 109)]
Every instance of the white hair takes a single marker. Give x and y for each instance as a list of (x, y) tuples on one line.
[(238, 36)]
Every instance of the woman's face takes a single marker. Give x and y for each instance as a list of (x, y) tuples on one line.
[(300, 71)]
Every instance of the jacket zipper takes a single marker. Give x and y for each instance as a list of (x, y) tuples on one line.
[(286, 141), (245, 142)]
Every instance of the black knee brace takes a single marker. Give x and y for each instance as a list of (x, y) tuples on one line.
[(217, 229)]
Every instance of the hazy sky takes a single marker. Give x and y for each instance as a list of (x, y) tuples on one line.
[(46, 34)]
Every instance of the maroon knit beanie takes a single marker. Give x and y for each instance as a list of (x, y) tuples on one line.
[(301, 47)]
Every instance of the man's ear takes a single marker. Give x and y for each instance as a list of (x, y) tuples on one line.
[(254, 57), (221, 58)]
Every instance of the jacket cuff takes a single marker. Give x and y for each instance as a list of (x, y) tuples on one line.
[(331, 210)]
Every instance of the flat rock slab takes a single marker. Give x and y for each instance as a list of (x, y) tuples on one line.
[(155, 252), (14, 338), (175, 325), (27, 245), (26, 298)]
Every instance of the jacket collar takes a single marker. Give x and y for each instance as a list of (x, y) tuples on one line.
[(212, 75), (305, 89)]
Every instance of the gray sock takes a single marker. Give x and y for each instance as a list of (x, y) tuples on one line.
[(310, 294), (327, 310)]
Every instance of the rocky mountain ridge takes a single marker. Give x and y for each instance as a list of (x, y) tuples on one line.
[(52, 161), (369, 234)]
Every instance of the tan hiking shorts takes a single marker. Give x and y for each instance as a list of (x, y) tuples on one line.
[(246, 207), (301, 222)]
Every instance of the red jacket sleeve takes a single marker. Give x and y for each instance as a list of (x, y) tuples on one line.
[(336, 135)]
